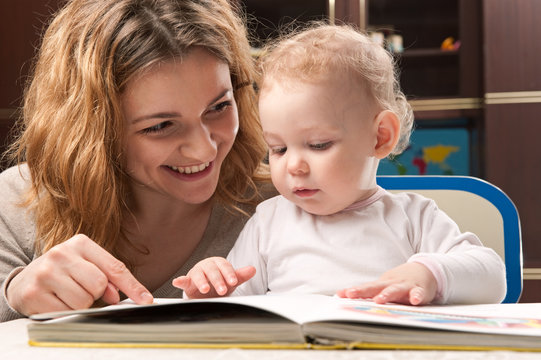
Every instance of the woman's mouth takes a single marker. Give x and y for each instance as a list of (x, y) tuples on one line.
[(189, 169)]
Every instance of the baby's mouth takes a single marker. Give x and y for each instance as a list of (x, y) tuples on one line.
[(305, 192), (189, 169)]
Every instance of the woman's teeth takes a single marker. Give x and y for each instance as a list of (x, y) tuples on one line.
[(190, 169)]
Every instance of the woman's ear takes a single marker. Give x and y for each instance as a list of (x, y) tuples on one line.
[(388, 133)]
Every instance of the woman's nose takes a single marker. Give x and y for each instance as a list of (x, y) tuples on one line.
[(200, 145)]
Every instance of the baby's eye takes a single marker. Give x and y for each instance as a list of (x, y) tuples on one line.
[(156, 128), (320, 146), (278, 150)]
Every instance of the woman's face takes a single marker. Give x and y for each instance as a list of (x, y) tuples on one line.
[(181, 121)]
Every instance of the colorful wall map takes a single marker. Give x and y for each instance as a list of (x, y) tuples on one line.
[(432, 152)]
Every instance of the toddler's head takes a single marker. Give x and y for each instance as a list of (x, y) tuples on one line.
[(331, 108)]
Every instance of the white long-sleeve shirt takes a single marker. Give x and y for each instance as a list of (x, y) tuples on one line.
[(294, 251)]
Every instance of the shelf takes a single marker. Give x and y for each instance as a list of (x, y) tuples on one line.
[(445, 108), (427, 71), (446, 104), (427, 52)]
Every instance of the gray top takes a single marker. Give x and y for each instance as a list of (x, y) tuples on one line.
[(17, 233)]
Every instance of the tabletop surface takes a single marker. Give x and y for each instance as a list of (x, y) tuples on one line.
[(13, 345)]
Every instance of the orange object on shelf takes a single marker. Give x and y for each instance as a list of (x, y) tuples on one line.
[(448, 43)]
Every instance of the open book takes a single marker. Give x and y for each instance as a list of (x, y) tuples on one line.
[(293, 321)]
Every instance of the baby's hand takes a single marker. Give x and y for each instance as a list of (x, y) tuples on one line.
[(410, 283), (213, 277)]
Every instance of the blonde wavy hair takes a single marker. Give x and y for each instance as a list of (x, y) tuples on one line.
[(72, 125), (319, 50)]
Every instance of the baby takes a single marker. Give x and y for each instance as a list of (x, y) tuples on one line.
[(331, 109)]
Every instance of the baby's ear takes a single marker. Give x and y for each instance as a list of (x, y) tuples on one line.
[(388, 133)]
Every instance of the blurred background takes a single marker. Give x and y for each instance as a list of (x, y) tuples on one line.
[(470, 69)]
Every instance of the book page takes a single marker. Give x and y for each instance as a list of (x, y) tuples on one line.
[(513, 319), (126, 304)]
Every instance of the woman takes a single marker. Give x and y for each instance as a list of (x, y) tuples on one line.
[(140, 154)]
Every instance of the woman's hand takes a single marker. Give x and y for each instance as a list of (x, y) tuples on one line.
[(73, 275), (213, 277), (410, 283)]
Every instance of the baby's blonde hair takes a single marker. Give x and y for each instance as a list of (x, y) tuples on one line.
[(323, 50)]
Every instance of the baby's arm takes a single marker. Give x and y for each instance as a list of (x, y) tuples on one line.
[(411, 283), (460, 269), (213, 277)]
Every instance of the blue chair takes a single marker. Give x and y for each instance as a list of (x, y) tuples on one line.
[(476, 206)]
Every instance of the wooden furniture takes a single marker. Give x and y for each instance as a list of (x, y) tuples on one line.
[(20, 29), (441, 84), (512, 83)]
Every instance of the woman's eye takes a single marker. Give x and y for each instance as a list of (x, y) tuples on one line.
[(157, 128), (321, 146), (221, 106)]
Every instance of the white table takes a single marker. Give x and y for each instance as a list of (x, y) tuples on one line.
[(13, 346)]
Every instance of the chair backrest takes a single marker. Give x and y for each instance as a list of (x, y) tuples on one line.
[(476, 206)]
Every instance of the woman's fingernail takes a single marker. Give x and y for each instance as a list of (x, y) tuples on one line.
[(147, 297)]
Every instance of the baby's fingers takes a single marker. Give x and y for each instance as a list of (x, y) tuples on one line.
[(185, 283), (398, 293), (221, 270), (364, 291), (244, 274), (418, 296), (218, 272)]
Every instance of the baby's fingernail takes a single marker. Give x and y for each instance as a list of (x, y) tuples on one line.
[(416, 297), (232, 280), (221, 290)]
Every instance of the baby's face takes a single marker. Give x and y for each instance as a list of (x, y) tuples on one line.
[(321, 140)]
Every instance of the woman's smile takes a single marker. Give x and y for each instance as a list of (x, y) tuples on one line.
[(189, 169), (191, 173)]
